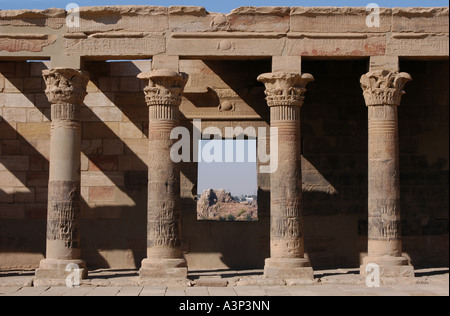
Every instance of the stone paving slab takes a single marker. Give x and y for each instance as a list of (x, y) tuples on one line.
[(153, 291), (422, 290), (175, 291), (79, 291), (130, 291), (16, 281), (104, 291), (56, 291), (197, 291), (221, 291), (249, 291), (275, 291), (9, 290), (30, 291), (337, 283)]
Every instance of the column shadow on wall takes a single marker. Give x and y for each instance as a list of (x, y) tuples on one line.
[(117, 235), (107, 226), (238, 245), (241, 76), (23, 206), (334, 149), (424, 163)]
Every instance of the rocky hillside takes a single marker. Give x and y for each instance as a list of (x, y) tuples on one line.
[(219, 205)]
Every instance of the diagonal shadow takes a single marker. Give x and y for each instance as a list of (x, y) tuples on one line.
[(94, 128), (105, 156), (334, 150), (118, 82), (23, 198), (241, 245), (241, 76)]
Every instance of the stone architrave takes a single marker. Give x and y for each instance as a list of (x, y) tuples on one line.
[(163, 95), (285, 96), (383, 91), (65, 90)]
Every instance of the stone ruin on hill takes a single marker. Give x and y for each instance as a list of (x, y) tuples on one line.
[(220, 205)]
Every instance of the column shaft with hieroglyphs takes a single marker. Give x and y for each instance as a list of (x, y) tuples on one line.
[(65, 90), (383, 90), (163, 95), (285, 95)]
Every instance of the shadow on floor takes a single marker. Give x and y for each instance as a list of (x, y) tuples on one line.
[(223, 273)]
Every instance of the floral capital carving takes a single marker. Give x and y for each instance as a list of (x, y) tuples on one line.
[(65, 85), (384, 87), (164, 87), (285, 89)]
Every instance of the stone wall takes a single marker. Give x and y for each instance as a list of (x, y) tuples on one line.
[(224, 54), (248, 31), (114, 164), (424, 162), (334, 132)]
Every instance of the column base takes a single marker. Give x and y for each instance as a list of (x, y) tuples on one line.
[(163, 269), (288, 268), (396, 267), (55, 272)]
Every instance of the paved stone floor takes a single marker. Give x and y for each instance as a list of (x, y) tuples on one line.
[(428, 282)]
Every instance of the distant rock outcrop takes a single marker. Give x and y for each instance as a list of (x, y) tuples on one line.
[(219, 205)]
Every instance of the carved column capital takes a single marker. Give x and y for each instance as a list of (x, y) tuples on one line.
[(65, 85), (285, 89), (384, 87), (164, 87)]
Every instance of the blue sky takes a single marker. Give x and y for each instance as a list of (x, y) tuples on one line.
[(217, 6), (235, 177)]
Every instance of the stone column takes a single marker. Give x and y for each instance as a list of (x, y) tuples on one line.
[(383, 90), (165, 259), (285, 95), (66, 89)]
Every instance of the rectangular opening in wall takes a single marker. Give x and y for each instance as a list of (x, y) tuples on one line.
[(227, 180)]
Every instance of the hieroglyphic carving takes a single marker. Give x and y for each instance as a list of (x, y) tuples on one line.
[(163, 95), (232, 108), (64, 212), (218, 45), (148, 45), (338, 19), (383, 90), (384, 229), (163, 233), (25, 42), (65, 90), (331, 45), (122, 18), (163, 222), (421, 45), (285, 95), (287, 228)]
